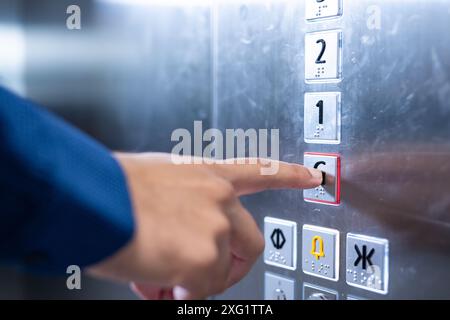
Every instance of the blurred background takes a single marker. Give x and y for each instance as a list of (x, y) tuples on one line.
[(134, 73)]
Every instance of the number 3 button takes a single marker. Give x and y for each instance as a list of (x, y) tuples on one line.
[(323, 51), (323, 117)]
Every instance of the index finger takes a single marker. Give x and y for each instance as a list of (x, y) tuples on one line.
[(250, 175)]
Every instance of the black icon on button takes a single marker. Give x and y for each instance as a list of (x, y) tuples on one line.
[(278, 239), (364, 257), (324, 175)]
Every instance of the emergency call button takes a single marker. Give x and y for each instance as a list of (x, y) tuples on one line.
[(281, 243), (320, 252), (322, 9), (367, 263), (330, 191)]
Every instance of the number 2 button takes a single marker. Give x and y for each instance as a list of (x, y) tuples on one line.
[(323, 51)]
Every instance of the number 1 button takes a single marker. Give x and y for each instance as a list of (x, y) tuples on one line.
[(323, 117), (323, 56)]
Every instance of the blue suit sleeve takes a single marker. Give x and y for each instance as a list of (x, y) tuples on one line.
[(63, 197)]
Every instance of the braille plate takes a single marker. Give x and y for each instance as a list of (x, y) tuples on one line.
[(281, 243), (330, 193), (278, 288), (367, 263), (320, 252), (323, 55)]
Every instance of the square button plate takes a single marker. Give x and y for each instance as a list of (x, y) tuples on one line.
[(323, 55), (330, 192), (313, 292), (278, 288), (322, 117), (281, 243), (320, 252), (316, 10), (367, 263)]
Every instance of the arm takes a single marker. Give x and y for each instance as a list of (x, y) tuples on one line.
[(63, 197)]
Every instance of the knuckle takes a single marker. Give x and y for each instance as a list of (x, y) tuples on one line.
[(222, 226), (208, 258), (223, 190)]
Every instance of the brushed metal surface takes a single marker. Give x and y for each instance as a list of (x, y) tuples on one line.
[(395, 145)]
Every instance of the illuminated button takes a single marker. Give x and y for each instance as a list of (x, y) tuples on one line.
[(322, 9), (278, 288), (367, 263), (320, 252), (322, 121), (313, 292), (328, 193), (323, 54), (281, 243)]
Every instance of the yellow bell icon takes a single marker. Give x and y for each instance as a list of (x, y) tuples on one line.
[(314, 247)]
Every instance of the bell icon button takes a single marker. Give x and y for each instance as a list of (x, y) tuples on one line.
[(320, 252)]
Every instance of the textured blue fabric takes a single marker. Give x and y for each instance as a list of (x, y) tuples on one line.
[(63, 197)]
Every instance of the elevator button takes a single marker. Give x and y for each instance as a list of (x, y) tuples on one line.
[(313, 292), (322, 117), (329, 192), (367, 263), (278, 288), (281, 243), (320, 252), (323, 54), (321, 9)]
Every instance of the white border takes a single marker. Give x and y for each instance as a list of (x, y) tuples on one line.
[(338, 59), (339, 15), (316, 287)]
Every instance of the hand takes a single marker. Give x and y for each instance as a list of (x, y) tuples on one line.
[(193, 237)]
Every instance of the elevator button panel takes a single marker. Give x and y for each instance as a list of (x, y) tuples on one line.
[(322, 9), (323, 55), (367, 263), (329, 192), (322, 117), (278, 288), (320, 252), (281, 243), (313, 292)]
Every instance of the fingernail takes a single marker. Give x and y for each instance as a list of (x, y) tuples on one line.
[(316, 174), (180, 293)]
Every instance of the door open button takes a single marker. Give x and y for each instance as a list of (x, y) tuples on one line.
[(329, 191)]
